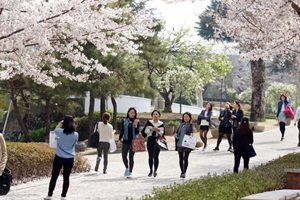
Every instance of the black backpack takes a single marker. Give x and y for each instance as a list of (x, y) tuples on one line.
[(94, 140), (5, 181)]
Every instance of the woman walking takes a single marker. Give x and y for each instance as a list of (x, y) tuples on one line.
[(237, 115), (280, 116), (204, 120), (64, 156), (225, 127), (106, 133), (185, 128), (242, 139), (153, 130), (3, 154), (129, 131)]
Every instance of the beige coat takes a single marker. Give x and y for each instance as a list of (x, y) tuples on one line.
[(3, 154)]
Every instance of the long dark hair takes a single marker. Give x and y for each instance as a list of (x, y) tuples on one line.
[(186, 113), (154, 112), (285, 98), (68, 124), (243, 128), (211, 106), (105, 117), (132, 108)]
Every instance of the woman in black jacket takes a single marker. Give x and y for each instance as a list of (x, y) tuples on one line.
[(205, 122), (153, 130), (242, 139), (225, 126)]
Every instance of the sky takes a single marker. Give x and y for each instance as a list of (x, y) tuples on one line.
[(179, 15)]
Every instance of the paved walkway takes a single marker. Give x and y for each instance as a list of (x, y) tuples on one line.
[(113, 185)]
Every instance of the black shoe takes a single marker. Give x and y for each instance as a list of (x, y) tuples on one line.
[(282, 138), (298, 145), (150, 174), (216, 149), (182, 176), (104, 172), (155, 174)]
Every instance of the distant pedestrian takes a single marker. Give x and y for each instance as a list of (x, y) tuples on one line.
[(106, 133), (237, 115), (204, 120), (242, 139), (297, 122), (129, 131), (185, 128), (153, 130), (280, 116), (225, 126), (64, 156)]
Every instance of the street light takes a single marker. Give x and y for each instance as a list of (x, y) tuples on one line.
[(221, 91)]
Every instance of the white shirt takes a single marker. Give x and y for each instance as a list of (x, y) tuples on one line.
[(149, 132), (105, 132), (204, 122), (297, 115)]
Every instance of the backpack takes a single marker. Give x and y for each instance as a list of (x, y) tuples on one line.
[(5, 181), (94, 140)]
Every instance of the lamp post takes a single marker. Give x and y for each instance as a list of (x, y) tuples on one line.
[(221, 91)]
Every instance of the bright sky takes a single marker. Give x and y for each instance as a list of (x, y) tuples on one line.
[(179, 15)]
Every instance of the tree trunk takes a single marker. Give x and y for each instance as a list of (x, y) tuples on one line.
[(114, 104), (168, 102), (17, 112), (258, 90), (180, 105), (102, 105), (91, 113), (48, 120), (27, 108)]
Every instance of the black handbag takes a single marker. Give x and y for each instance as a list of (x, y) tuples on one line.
[(94, 140), (5, 181), (252, 151)]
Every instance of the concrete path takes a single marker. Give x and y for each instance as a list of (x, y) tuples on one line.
[(113, 185)]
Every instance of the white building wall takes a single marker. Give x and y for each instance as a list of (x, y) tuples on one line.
[(186, 108)]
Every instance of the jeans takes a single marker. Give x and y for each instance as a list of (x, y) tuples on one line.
[(126, 147), (103, 147), (58, 163)]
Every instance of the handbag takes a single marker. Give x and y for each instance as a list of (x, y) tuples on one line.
[(189, 141), (138, 145), (5, 181), (112, 145), (53, 139), (162, 143), (252, 151), (94, 140)]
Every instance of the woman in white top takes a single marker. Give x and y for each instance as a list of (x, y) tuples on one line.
[(106, 133), (297, 121), (152, 130), (204, 120)]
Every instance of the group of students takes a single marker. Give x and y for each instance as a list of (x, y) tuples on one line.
[(232, 120)]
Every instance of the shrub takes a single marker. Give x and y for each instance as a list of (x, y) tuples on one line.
[(38, 135), (171, 122), (266, 177), (30, 161)]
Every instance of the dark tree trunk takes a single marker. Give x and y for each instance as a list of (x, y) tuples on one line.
[(114, 121), (102, 105), (27, 108), (168, 102), (91, 113), (258, 91), (17, 112), (48, 120)]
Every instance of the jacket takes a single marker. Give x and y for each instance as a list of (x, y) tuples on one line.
[(279, 107), (227, 121), (202, 117), (239, 115)]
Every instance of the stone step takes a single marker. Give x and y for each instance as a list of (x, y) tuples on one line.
[(275, 195)]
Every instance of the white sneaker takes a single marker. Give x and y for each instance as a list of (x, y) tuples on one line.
[(126, 172), (129, 175), (63, 198), (48, 198)]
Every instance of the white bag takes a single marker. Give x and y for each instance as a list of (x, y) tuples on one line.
[(189, 141), (112, 146), (53, 139)]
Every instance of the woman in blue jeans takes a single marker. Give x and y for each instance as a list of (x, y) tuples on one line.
[(130, 128), (64, 156)]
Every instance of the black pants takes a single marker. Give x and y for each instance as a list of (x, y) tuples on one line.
[(282, 128), (58, 163), (220, 139), (237, 159), (125, 149), (184, 161), (103, 147), (153, 154)]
